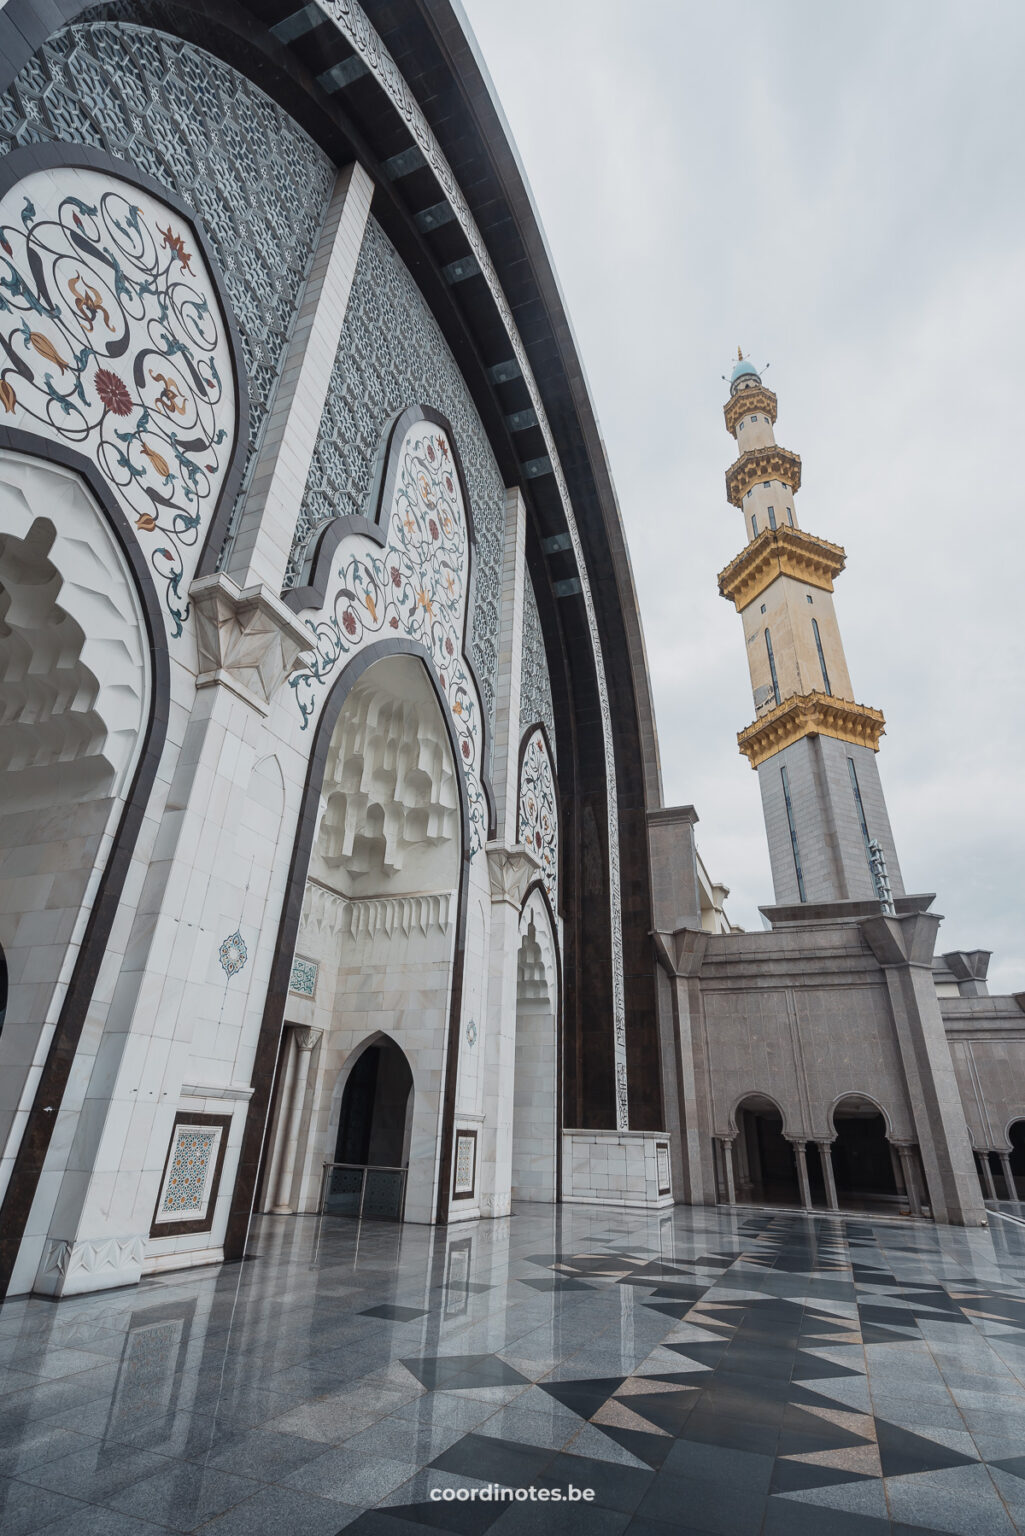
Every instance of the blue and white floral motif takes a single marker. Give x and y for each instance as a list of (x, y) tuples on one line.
[(303, 980), (112, 342), (233, 954), (538, 825), (415, 586), (186, 1193)]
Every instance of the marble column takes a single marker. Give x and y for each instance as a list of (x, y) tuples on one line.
[(987, 1173), (1005, 1164), (303, 1042), (801, 1159), (826, 1159), (726, 1150), (906, 1153)]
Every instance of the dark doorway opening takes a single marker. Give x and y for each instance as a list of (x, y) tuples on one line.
[(766, 1171), (862, 1157), (372, 1146)]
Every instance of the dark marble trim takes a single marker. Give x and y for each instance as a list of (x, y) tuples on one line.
[(256, 1127), (45, 1111), (48, 157)]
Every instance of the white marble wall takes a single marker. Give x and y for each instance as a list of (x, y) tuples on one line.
[(615, 1168)]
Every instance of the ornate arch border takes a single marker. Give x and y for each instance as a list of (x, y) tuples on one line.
[(312, 596), (49, 1095), (33, 158), (525, 736), (276, 1004)]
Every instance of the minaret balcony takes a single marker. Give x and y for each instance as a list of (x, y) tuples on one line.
[(780, 552), (811, 714), (769, 463), (746, 402)]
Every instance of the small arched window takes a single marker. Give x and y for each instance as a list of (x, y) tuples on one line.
[(772, 667)]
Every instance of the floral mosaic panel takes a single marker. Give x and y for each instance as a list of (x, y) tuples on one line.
[(258, 182), (538, 826), (112, 342), (233, 954), (535, 683), (186, 1192), (416, 585), (392, 354), (303, 978)]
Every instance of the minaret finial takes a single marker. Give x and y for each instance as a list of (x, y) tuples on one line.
[(740, 356)]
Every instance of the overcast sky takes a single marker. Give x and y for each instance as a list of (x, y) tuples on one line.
[(841, 191)]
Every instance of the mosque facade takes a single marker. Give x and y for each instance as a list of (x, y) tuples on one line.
[(334, 869)]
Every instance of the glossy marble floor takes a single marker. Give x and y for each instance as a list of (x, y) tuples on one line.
[(701, 1371)]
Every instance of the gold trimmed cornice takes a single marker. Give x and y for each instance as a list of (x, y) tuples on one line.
[(769, 463), (780, 552), (811, 714), (746, 401)]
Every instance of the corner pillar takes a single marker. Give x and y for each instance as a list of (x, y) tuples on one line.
[(302, 1045), (904, 947)]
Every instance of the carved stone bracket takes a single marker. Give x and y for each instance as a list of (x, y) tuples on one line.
[(248, 640), (511, 871)]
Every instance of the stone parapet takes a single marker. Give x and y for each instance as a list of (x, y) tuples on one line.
[(811, 714)]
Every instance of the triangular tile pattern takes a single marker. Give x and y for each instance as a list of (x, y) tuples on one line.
[(763, 1359)]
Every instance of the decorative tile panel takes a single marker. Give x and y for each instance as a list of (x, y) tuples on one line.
[(415, 586), (392, 354), (465, 1165), (187, 1184), (535, 682), (303, 980), (538, 824), (113, 343), (233, 954), (258, 181)]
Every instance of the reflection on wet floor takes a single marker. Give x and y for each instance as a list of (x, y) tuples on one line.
[(706, 1371)]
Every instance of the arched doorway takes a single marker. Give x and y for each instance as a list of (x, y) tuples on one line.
[(374, 1127), (377, 939), (535, 1096), (863, 1159), (765, 1167)]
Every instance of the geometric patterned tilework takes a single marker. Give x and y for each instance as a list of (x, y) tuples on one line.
[(303, 978), (392, 355), (535, 684), (193, 1156), (191, 122)]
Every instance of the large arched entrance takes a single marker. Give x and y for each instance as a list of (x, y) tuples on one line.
[(75, 679), (377, 942), (765, 1170), (536, 1086), (863, 1159)]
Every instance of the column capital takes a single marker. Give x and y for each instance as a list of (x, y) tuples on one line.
[(305, 1039), (511, 869), (248, 640)]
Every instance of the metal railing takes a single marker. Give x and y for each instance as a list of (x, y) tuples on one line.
[(363, 1190)]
